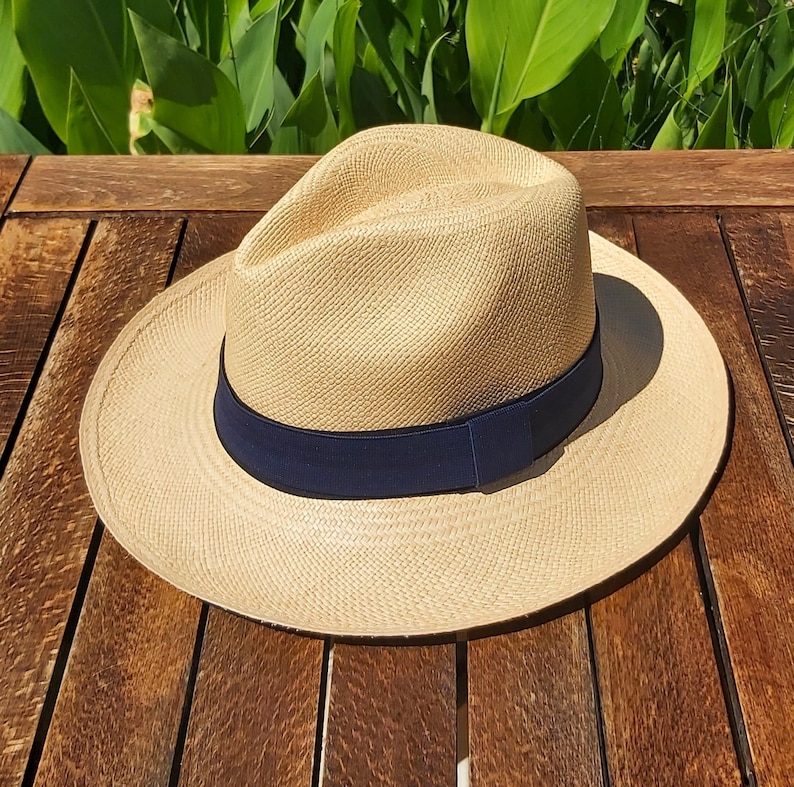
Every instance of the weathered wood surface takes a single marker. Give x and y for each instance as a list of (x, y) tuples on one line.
[(635, 697), (11, 169), (254, 714), (532, 709), (46, 515), (391, 716), (36, 262), (748, 524), (203, 183), (762, 246), (653, 650)]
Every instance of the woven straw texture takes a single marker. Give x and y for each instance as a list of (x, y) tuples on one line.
[(334, 325)]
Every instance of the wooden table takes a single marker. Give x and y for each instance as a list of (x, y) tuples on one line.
[(110, 676)]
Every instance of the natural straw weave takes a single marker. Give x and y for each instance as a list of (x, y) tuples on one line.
[(415, 274)]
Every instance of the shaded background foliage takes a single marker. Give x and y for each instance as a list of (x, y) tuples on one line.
[(296, 76)]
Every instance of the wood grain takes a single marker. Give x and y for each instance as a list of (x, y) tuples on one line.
[(11, 169), (36, 261), (207, 237), (125, 682), (664, 713), (46, 516), (748, 524), (762, 244), (532, 716), (653, 649), (391, 716), (218, 183), (254, 715)]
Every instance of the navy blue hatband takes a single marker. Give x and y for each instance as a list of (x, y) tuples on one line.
[(466, 454)]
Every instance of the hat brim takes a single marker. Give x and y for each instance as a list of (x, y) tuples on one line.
[(621, 484)]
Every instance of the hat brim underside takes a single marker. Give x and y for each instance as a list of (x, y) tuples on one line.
[(620, 486)]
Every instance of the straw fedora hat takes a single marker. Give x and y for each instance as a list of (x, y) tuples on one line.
[(418, 398)]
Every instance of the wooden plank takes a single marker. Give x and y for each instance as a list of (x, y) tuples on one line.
[(46, 516), (391, 716), (120, 703), (254, 715), (36, 261), (664, 712), (748, 524), (132, 653), (762, 244), (181, 183), (532, 715), (217, 183), (11, 169), (653, 649)]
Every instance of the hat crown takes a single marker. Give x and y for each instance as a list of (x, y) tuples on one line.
[(414, 275)]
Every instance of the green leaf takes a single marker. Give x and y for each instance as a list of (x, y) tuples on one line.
[(372, 16), (428, 90), (344, 48), (623, 29), (718, 131), (15, 138), (159, 13), (772, 124), (530, 127), (677, 131), (90, 37), (585, 110), (215, 21), (705, 36), (191, 96), (12, 65), (84, 130), (542, 41), (308, 112), (372, 103), (253, 66), (318, 34)]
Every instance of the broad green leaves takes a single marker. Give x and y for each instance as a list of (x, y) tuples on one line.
[(191, 96), (88, 37), (12, 65), (15, 138), (705, 36), (522, 48)]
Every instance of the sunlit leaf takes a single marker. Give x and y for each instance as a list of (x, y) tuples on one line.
[(344, 48), (718, 131), (542, 41), (704, 41), (84, 130), (12, 65), (428, 89), (623, 29), (191, 96), (15, 138), (89, 37), (252, 68)]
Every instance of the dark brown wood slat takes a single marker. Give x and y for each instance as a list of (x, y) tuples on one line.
[(254, 714), (391, 717), (126, 678), (653, 649), (132, 652), (762, 244), (36, 261), (748, 524), (46, 516), (532, 717), (664, 713), (11, 169), (218, 183)]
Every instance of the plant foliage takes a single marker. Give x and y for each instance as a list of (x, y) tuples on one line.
[(297, 76)]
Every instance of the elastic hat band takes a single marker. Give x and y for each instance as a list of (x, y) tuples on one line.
[(466, 454)]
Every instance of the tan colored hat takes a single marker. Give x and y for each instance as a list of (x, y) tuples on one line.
[(396, 409)]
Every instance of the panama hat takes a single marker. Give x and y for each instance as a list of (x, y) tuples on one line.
[(419, 398)]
